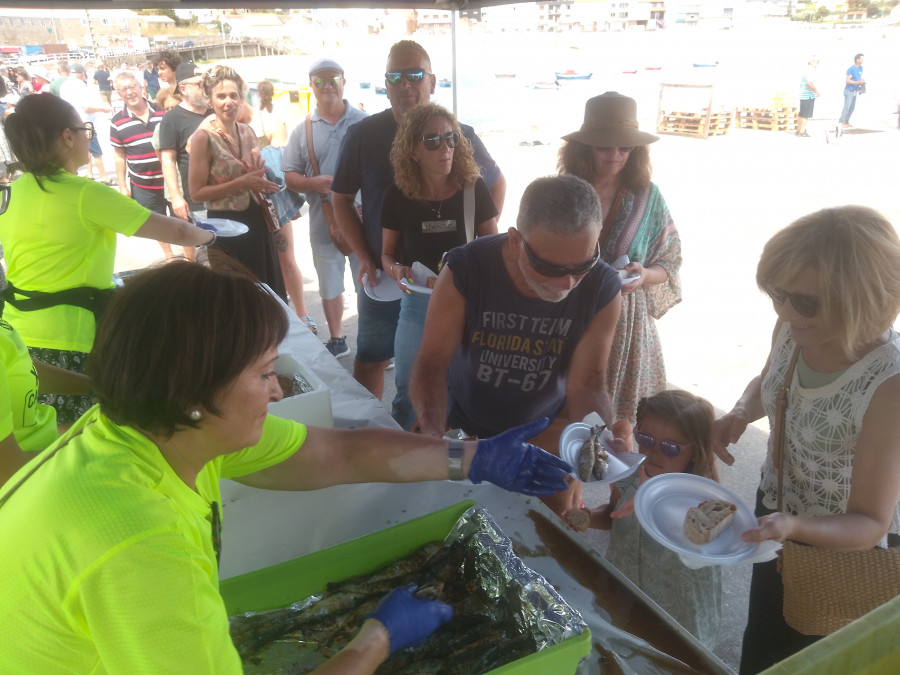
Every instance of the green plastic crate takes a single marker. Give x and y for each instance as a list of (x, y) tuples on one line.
[(284, 583)]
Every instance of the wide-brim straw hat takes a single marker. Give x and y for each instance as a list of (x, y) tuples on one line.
[(610, 120)]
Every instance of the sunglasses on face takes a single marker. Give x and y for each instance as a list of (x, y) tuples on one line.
[(433, 141), (335, 81), (550, 269), (623, 149), (412, 75), (88, 129), (669, 448), (806, 306)]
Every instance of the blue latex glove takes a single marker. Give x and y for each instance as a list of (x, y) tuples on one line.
[(409, 620), (509, 461), (209, 228)]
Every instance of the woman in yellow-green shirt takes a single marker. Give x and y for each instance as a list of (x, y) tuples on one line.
[(59, 238)]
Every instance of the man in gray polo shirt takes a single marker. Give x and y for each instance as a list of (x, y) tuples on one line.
[(330, 120)]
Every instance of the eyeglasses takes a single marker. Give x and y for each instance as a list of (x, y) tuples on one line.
[(669, 448), (623, 149), (335, 81), (551, 269), (412, 75), (805, 305), (88, 129), (130, 87), (433, 141)]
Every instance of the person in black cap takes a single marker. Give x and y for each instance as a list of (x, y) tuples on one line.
[(175, 130)]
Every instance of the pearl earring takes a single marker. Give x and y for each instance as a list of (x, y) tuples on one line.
[(195, 415)]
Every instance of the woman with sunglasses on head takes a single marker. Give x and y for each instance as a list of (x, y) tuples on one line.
[(612, 154), (227, 174), (59, 236), (423, 216), (674, 431), (834, 280)]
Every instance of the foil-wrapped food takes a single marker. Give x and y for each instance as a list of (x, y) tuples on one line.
[(293, 385), (502, 610)]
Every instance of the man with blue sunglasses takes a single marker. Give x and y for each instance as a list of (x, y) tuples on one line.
[(364, 165)]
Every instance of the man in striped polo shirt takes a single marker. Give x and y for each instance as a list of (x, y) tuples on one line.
[(130, 134)]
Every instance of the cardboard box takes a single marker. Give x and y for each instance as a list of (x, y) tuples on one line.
[(280, 585), (313, 407)]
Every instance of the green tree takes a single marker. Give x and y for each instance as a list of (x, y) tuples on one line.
[(822, 13)]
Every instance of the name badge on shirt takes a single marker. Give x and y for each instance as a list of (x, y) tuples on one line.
[(438, 226)]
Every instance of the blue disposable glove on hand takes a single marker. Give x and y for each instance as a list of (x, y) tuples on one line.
[(509, 461), (409, 620), (209, 228)]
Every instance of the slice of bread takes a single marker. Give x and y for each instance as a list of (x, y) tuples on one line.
[(579, 519), (707, 521)]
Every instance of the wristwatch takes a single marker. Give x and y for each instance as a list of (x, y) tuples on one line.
[(454, 459)]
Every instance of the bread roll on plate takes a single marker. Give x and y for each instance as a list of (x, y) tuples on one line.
[(707, 521)]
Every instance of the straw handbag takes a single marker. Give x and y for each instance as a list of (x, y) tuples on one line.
[(825, 590)]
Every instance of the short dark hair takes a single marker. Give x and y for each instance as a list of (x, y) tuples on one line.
[(33, 129), (174, 338), (858, 57), (171, 59), (560, 204)]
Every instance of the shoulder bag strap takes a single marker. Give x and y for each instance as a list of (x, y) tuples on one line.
[(781, 404), (469, 209), (309, 146)]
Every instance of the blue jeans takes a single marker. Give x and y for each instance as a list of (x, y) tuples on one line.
[(849, 105), (410, 327), (377, 325)]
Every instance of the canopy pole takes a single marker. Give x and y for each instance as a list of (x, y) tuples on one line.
[(453, 14)]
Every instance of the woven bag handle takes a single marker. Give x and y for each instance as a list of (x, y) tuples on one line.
[(781, 404)]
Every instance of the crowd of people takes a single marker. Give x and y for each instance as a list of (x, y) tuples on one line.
[(161, 388)]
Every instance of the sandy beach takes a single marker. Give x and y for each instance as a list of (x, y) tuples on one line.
[(728, 194)]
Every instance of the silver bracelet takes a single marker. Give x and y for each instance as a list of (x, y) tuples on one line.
[(454, 460)]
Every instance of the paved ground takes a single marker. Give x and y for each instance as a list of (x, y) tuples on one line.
[(728, 195)]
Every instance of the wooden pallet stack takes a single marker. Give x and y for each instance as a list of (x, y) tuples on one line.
[(699, 124), (781, 116)]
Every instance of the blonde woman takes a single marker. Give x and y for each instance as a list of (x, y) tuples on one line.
[(423, 217)]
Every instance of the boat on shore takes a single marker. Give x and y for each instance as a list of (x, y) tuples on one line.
[(365, 85), (444, 82), (572, 75), (381, 90), (545, 85), (506, 75), (706, 65)]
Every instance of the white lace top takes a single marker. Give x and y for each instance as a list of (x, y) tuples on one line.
[(822, 426)]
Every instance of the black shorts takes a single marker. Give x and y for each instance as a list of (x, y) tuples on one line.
[(806, 107)]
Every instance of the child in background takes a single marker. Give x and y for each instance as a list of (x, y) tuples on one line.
[(674, 431)]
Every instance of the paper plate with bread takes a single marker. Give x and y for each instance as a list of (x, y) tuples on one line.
[(423, 279), (696, 517)]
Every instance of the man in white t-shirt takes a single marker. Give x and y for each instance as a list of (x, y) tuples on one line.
[(88, 103)]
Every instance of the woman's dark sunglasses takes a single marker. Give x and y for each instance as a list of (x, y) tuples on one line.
[(623, 149), (806, 306), (433, 141), (410, 75), (669, 448), (549, 269)]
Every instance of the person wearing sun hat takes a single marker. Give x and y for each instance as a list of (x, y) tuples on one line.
[(612, 154)]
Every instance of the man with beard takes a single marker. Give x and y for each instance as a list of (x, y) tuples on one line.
[(175, 130), (364, 165), (131, 135), (520, 324)]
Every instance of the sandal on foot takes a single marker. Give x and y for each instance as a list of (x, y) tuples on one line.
[(310, 323)]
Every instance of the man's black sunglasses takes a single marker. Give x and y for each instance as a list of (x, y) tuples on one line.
[(413, 75), (551, 269)]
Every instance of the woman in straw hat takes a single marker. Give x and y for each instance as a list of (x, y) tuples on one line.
[(611, 153)]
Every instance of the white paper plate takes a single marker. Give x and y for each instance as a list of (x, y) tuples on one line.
[(630, 279), (385, 288), (621, 464), (225, 227), (663, 501), (415, 288), (419, 283)]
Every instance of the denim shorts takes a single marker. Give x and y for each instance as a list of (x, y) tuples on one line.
[(329, 264), (377, 325), (94, 147), (155, 200)]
